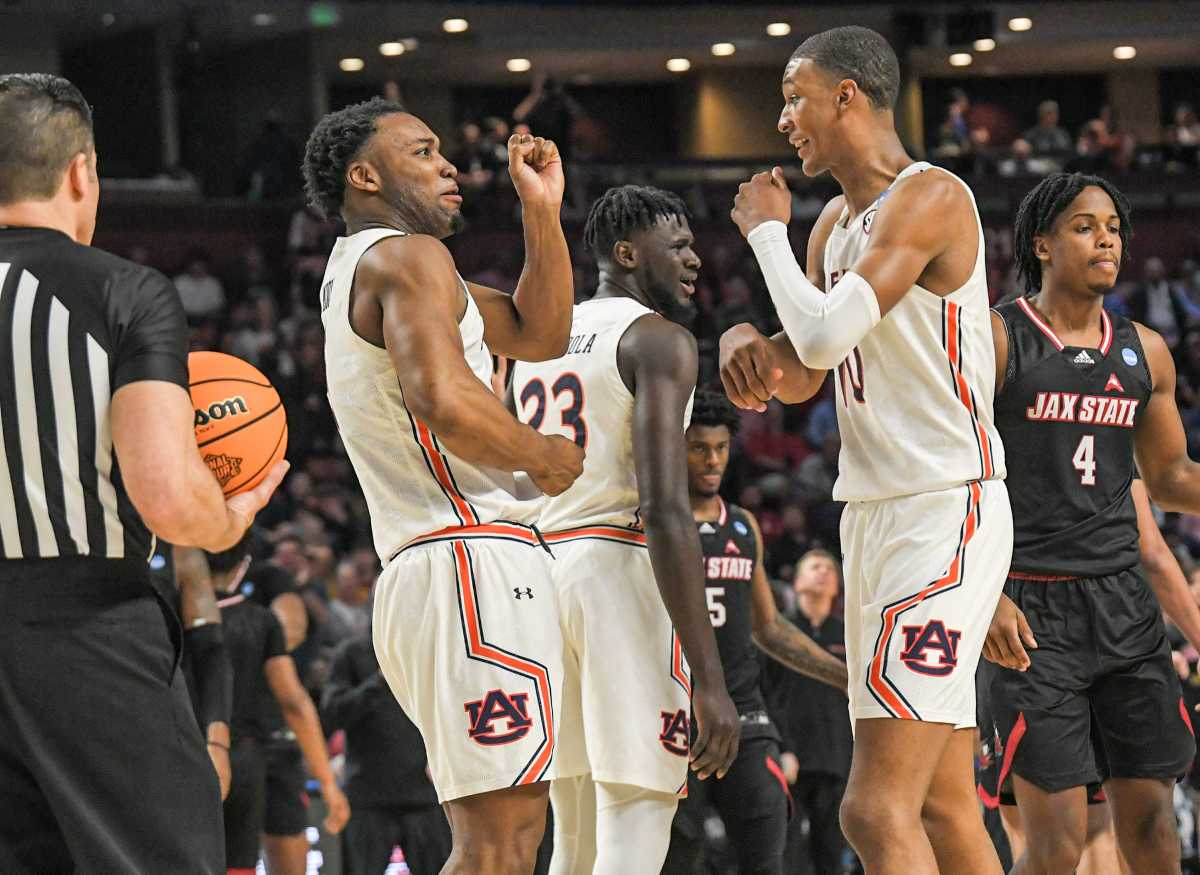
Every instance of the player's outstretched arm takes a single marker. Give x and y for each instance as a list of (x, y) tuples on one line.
[(301, 716), (535, 323), (414, 283), (1163, 571), (754, 368), (779, 638), (908, 234), (658, 360), (1160, 444)]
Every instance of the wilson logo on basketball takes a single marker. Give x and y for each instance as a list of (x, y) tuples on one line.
[(220, 410), (224, 467)]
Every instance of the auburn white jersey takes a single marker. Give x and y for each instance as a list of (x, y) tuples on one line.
[(914, 398), (581, 396), (413, 484)]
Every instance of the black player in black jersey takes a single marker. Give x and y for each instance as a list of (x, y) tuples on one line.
[(1078, 632), (752, 798)]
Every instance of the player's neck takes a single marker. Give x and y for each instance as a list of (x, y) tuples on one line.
[(866, 174), (612, 287), (817, 610), (1070, 313), (705, 508)]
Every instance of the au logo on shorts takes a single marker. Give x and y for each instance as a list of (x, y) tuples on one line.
[(931, 649), (497, 705), (676, 733)]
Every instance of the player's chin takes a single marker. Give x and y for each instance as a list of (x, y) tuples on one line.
[(456, 223)]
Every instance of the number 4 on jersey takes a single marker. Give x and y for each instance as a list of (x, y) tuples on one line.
[(1084, 460)]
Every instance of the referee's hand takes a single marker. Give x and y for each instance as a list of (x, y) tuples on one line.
[(246, 505)]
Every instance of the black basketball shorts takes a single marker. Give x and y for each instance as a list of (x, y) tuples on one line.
[(1102, 666)]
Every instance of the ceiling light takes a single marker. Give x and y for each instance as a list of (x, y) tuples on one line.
[(779, 28), (107, 19), (263, 19), (985, 45), (679, 65), (455, 25), (1124, 53), (960, 59), (410, 43), (1020, 24), (390, 50), (722, 50), (518, 65), (351, 65)]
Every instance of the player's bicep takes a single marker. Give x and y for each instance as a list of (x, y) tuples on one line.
[(153, 432), (762, 600), (283, 680), (907, 234), (1159, 441), (664, 365), (1000, 344), (1150, 539)]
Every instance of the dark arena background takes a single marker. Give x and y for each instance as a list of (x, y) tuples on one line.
[(201, 114)]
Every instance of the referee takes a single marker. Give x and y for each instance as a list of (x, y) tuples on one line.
[(102, 767)]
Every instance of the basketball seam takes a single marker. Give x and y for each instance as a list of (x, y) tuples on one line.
[(233, 431), (250, 479), (230, 380)]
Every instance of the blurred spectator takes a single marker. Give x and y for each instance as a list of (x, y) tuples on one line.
[(1045, 146), (474, 158), (1157, 303), (549, 111), (348, 615), (817, 473), (769, 444), (496, 134), (272, 168), (793, 542), (822, 421), (1102, 146), (1182, 146), (202, 294), (815, 724)]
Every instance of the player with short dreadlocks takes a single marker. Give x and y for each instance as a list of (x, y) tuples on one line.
[(628, 565), (445, 468), (1078, 635), (752, 798)]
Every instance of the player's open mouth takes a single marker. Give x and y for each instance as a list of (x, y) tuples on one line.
[(801, 143), (689, 287)]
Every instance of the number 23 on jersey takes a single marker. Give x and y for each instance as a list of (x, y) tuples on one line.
[(536, 403)]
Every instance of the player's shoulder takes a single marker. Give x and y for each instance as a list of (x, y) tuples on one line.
[(89, 262), (398, 255), (739, 514), (830, 213), (650, 333), (932, 191), (1158, 354)]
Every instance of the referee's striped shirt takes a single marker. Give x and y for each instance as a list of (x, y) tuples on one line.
[(76, 324)]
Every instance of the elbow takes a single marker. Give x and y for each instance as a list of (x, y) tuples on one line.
[(817, 352), (165, 513), (433, 404)]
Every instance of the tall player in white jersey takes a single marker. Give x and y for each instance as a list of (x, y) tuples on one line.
[(628, 562), (465, 623), (927, 529)]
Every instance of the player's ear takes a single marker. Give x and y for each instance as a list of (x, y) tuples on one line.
[(1041, 248), (845, 93), (625, 254), (361, 175)]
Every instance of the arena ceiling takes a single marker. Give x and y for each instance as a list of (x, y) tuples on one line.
[(603, 41)]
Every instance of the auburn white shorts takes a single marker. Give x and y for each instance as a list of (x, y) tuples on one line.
[(466, 630), (626, 701), (923, 575)]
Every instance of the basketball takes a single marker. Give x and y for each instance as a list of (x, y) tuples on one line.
[(241, 426)]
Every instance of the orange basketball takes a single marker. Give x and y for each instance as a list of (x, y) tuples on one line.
[(241, 426)]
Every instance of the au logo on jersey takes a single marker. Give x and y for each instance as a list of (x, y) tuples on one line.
[(498, 705), (931, 649), (676, 732)]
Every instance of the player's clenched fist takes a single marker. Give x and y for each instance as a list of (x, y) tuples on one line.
[(561, 464), (748, 370), (536, 170), (764, 198)]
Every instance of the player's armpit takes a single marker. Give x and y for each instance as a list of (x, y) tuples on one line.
[(1160, 443), (1000, 343), (927, 218)]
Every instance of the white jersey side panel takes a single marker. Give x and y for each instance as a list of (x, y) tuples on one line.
[(914, 398), (581, 396), (413, 485)]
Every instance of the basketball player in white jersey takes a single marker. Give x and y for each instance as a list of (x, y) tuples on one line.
[(465, 623), (628, 562), (895, 300)]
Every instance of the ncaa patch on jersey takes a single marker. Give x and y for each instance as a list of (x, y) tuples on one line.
[(740, 527), (1129, 356)]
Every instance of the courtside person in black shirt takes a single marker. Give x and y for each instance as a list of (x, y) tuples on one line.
[(102, 766)]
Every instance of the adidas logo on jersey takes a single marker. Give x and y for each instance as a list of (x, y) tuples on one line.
[(707, 529), (1083, 358)]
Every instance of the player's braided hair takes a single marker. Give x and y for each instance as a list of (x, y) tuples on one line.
[(713, 409), (1043, 205), (333, 144), (627, 208)]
